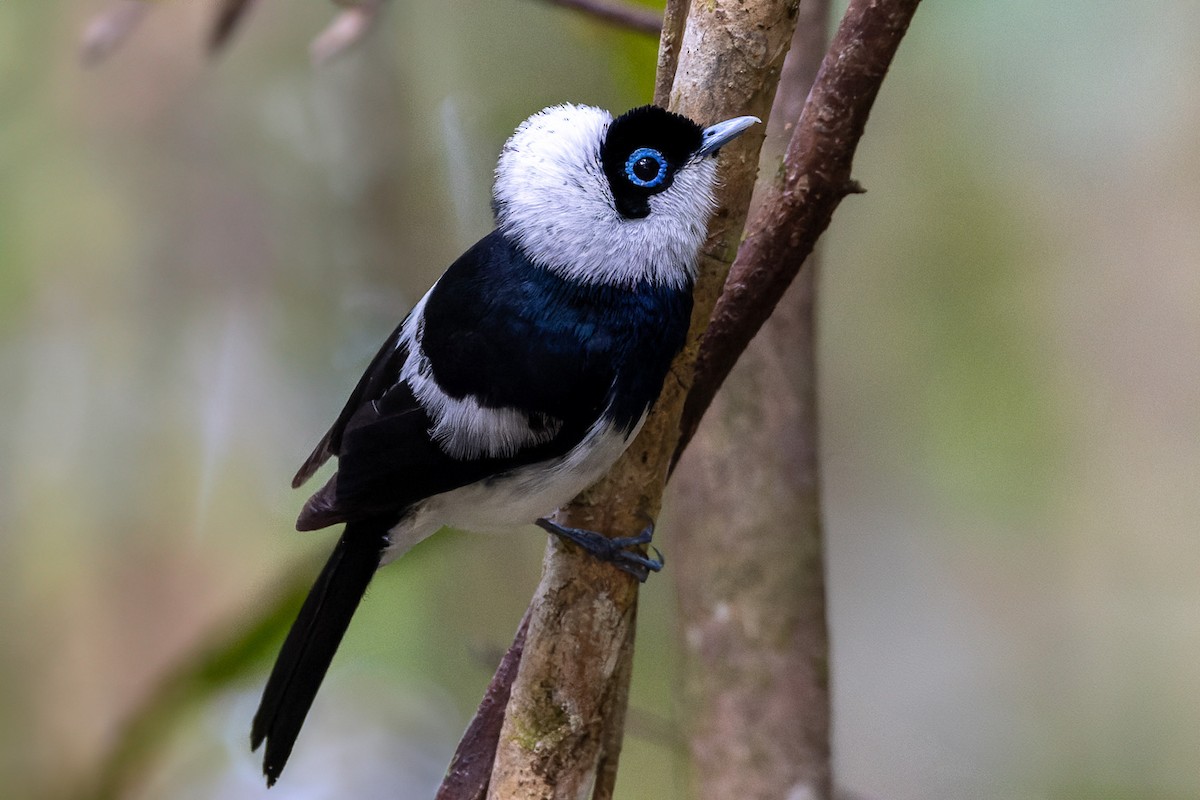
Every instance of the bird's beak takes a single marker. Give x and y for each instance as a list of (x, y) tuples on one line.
[(723, 133)]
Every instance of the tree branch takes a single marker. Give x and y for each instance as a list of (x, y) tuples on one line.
[(109, 29), (750, 574), (616, 713), (635, 18), (230, 16), (572, 678), (674, 17), (815, 178), (553, 744), (471, 768), (347, 29)]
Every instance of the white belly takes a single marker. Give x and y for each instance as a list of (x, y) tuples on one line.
[(517, 498)]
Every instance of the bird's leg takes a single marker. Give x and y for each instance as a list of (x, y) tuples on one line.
[(615, 550)]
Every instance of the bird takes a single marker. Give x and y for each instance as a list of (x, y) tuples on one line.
[(521, 375)]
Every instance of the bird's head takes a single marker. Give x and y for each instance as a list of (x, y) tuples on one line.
[(616, 201)]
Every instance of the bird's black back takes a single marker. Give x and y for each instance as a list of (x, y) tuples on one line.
[(510, 333)]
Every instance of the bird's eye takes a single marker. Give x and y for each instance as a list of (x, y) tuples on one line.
[(646, 168)]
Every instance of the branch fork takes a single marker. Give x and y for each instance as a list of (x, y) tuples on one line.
[(561, 734)]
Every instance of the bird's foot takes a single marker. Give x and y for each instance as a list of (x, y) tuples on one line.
[(615, 551)]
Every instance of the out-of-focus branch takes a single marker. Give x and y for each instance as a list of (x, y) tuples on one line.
[(749, 573), (634, 18), (347, 29), (109, 29), (815, 178), (224, 657), (230, 16)]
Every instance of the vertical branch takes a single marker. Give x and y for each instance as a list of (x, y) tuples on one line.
[(614, 715), (750, 573), (572, 684), (674, 17)]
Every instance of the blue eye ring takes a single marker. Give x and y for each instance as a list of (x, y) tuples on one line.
[(653, 155)]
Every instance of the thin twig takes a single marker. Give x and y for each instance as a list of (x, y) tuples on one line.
[(634, 18), (347, 29), (815, 178)]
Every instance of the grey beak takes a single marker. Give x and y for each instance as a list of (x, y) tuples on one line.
[(723, 133)]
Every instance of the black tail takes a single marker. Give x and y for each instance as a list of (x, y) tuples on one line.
[(312, 641)]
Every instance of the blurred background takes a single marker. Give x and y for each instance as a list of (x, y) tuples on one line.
[(198, 256)]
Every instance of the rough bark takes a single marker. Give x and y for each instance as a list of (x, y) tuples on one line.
[(674, 17), (572, 684)]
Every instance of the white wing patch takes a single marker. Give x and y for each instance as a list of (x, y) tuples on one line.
[(462, 427)]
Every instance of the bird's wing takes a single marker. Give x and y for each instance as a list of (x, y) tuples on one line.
[(389, 460), (381, 374), (495, 386)]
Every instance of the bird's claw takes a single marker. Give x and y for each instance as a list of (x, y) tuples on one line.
[(616, 551)]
